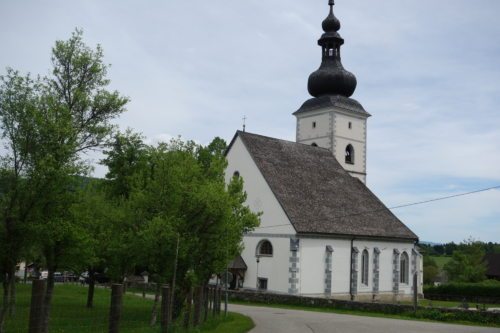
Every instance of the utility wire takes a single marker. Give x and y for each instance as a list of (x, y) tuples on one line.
[(447, 197), (402, 206)]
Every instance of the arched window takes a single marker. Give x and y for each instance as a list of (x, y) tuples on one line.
[(404, 267), (265, 249), (364, 268), (314, 144), (236, 174), (349, 154)]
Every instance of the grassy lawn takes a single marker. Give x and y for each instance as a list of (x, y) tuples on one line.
[(450, 304), (441, 261), (70, 315)]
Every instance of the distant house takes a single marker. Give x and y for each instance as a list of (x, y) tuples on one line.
[(492, 265)]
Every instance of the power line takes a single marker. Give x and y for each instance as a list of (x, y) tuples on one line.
[(447, 197), (404, 205)]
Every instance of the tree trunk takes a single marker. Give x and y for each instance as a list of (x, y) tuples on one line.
[(5, 302), (25, 277), (174, 277), (12, 294), (198, 302), (189, 304), (124, 285), (47, 302), (90, 293), (154, 312)]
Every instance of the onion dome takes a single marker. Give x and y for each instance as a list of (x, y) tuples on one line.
[(331, 78)]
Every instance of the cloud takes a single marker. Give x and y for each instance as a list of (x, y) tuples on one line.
[(427, 71), (454, 219)]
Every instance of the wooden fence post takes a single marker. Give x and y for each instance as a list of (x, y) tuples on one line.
[(165, 309), (415, 292), (214, 301), (198, 301), (206, 301), (36, 307), (115, 309), (219, 300), (210, 299), (187, 315)]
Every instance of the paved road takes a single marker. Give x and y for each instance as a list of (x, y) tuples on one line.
[(273, 320)]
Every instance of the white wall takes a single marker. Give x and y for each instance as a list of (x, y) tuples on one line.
[(312, 265), (332, 132), (274, 268), (260, 198), (273, 222), (306, 131)]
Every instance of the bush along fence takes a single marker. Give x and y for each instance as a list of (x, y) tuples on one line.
[(439, 314), (201, 304), (471, 292)]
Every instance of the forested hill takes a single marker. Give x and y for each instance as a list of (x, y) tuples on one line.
[(435, 249)]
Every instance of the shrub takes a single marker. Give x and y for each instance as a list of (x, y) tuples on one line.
[(488, 288)]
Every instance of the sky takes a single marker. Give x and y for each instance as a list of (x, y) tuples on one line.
[(428, 71)]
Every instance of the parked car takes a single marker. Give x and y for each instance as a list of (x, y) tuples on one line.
[(83, 277), (99, 278), (58, 277)]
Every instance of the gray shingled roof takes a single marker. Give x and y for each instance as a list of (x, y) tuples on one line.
[(492, 265), (322, 102), (317, 194), (238, 263)]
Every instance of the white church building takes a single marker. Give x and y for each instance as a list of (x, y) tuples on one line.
[(323, 232)]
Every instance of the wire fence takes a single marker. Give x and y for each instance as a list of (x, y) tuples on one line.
[(113, 310)]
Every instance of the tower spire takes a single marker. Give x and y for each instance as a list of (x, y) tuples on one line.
[(331, 78)]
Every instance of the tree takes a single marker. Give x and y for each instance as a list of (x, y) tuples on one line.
[(431, 270), (467, 263), (51, 122), (125, 159), (99, 219), (176, 194), (18, 101)]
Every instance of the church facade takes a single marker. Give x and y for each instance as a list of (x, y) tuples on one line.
[(323, 232)]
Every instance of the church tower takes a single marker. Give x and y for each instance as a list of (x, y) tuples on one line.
[(331, 119)]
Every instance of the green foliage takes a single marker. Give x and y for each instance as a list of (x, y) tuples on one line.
[(431, 270), (458, 316), (125, 158), (46, 124), (487, 288), (447, 249), (176, 191), (467, 263)]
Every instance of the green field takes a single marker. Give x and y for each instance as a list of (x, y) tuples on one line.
[(441, 260), (70, 315)]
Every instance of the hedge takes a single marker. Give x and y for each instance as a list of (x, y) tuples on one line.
[(488, 288), (457, 315), (437, 314)]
